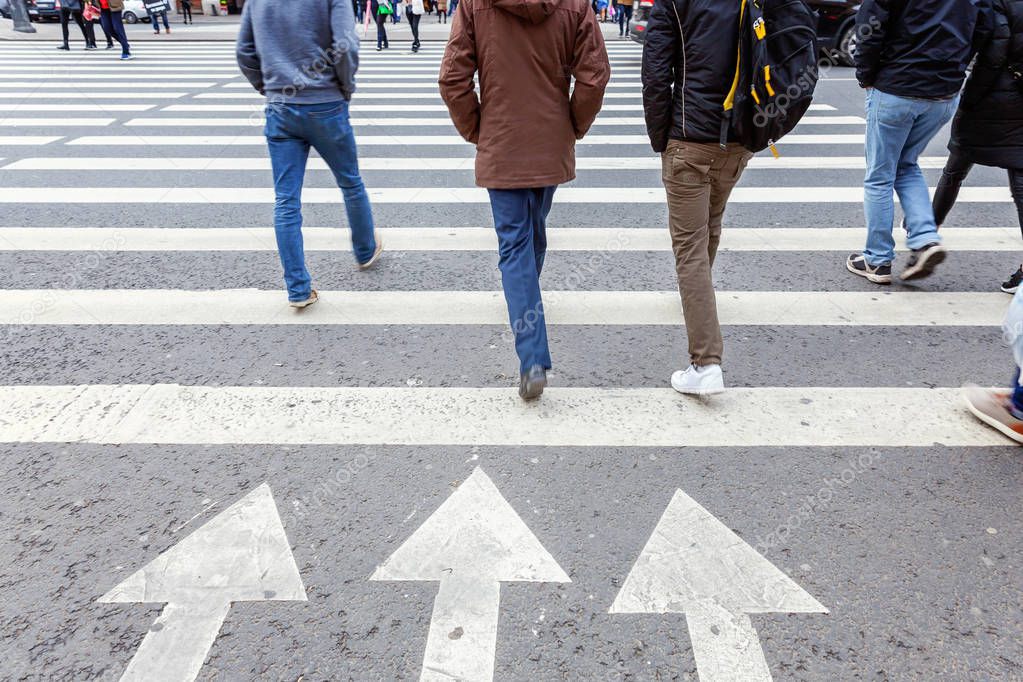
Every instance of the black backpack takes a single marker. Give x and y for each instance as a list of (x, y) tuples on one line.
[(776, 73)]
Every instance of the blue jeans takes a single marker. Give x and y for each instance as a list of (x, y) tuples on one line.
[(155, 18), (114, 28), (898, 131), (520, 217), (290, 130)]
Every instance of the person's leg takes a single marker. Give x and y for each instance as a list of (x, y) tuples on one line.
[(329, 130), (628, 18), (541, 209), (65, 16), (166, 22), (1016, 187), (956, 169), (686, 175), (119, 32), (513, 220), (910, 183), (725, 174), (90, 32), (889, 121), (288, 156), (107, 26), (414, 19)]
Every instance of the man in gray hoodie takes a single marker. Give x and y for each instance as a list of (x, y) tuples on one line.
[(303, 55)]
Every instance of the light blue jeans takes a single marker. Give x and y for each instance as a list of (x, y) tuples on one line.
[(291, 129), (898, 131)]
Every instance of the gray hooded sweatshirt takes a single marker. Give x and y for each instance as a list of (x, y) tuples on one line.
[(299, 51)]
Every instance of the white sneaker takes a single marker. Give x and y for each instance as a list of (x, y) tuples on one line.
[(695, 380)]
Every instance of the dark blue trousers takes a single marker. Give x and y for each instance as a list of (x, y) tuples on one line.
[(520, 218)]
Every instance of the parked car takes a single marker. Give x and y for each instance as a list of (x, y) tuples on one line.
[(134, 12), (40, 10), (836, 30)]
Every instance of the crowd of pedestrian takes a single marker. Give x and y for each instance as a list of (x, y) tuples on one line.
[(911, 61), (109, 15)]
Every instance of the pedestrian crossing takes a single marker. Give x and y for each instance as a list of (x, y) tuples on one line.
[(149, 353)]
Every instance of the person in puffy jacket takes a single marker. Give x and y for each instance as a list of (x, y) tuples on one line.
[(527, 54), (911, 58), (988, 128), (688, 69)]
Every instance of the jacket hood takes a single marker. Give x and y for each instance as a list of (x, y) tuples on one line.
[(533, 11)]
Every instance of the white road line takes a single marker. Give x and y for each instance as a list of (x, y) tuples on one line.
[(583, 163), (94, 78), (80, 86), (97, 108), (468, 239), (443, 195), (80, 71), (757, 417), (410, 140), (356, 107), (90, 95), (25, 140), (72, 122), (252, 306), (361, 96), (383, 122)]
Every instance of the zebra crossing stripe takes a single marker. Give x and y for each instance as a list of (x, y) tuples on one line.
[(404, 140), (443, 195), (26, 140), (332, 239), (383, 122), (613, 308), (620, 417)]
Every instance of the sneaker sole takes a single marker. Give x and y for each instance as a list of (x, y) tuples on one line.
[(373, 260), (299, 305), (699, 391), (1010, 290), (533, 390), (926, 266), (876, 279), (993, 423)]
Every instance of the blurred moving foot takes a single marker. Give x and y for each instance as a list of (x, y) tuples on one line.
[(994, 408), (313, 298), (532, 383), (374, 258), (1011, 286), (922, 261)]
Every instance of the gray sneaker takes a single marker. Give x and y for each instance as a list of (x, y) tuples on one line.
[(922, 261), (532, 383)]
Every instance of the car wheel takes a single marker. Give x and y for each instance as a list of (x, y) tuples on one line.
[(846, 52), (130, 18)]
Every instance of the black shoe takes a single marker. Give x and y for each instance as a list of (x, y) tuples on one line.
[(110, 46), (922, 261), (1012, 285), (858, 265), (64, 47), (532, 383)]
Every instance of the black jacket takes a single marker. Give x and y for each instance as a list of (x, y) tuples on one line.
[(688, 73), (988, 128), (917, 48)]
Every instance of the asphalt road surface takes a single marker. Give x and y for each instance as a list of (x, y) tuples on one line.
[(199, 483)]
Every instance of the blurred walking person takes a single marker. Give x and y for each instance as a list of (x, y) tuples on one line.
[(911, 58), (381, 9), (186, 12), (415, 15), (158, 11), (988, 128), (110, 19), (442, 11), (72, 9), (624, 17), (525, 136), (277, 42)]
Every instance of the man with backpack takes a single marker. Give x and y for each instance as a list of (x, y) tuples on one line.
[(705, 115), (911, 57)]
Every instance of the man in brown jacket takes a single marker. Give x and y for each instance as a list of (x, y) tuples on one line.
[(526, 53)]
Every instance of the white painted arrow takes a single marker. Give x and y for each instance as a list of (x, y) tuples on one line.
[(694, 564), (242, 554), (471, 544)]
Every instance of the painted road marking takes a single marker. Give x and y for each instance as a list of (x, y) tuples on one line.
[(73, 122), (407, 140), (122, 84), (94, 107), (356, 107), (26, 140), (615, 308), (695, 565), (444, 195), (466, 238), (618, 417), (473, 542), (434, 121), (90, 95), (262, 163), (242, 554)]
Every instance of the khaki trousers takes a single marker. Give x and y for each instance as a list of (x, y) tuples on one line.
[(699, 178)]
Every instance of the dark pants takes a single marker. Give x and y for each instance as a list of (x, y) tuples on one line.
[(442, 16), (86, 27), (624, 18), (382, 31), (155, 19), (957, 168), (186, 12), (413, 20), (114, 27), (520, 218)]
